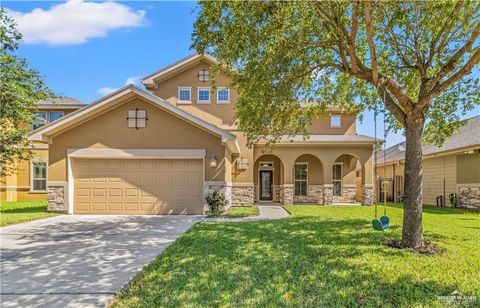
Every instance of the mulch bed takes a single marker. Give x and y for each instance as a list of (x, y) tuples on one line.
[(428, 248)]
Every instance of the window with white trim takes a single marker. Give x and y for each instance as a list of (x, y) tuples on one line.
[(335, 121), (185, 95), (203, 95), (337, 179), (223, 96), (301, 179), (38, 176), (137, 118)]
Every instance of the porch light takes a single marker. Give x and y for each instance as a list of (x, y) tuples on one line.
[(213, 161), (242, 164), (203, 75)]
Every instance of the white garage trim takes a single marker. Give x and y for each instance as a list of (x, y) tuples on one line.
[(136, 153), (73, 154)]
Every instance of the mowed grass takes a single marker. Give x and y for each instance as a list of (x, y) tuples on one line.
[(240, 211), (14, 212), (320, 256)]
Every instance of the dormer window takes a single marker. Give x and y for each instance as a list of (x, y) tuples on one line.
[(203, 95), (137, 118), (223, 96), (335, 121), (185, 95)]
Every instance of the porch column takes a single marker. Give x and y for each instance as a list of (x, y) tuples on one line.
[(367, 181), (328, 186), (288, 183)]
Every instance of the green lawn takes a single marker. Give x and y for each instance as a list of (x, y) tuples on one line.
[(320, 256), (21, 211), (240, 211)]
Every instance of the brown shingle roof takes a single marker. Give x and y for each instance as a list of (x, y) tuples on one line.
[(61, 101), (467, 136)]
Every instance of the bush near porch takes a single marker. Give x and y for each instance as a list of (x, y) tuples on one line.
[(320, 256), (14, 212)]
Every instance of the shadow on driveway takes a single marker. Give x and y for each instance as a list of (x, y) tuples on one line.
[(68, 261)]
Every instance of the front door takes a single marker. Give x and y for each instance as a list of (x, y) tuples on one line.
[(266, 185)]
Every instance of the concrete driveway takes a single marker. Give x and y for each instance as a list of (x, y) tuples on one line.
[(80, 261)]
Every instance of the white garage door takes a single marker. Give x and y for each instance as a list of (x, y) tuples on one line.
[(138, 186)]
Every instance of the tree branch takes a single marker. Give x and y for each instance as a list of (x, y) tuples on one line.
[(391, 106), (371, 44), (450, 65), (437, 89)]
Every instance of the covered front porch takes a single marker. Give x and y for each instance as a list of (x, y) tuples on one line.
[(313, 175)]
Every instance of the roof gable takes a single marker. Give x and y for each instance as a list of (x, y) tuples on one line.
[(118, 97), (180, 65)]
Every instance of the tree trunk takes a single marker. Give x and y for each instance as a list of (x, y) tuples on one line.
[(412, 234)]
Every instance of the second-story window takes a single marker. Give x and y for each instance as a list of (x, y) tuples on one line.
[(335, 121), (43, 117), (203, 95), (40, 118), (55, 115), (223, 96), (185, 95)]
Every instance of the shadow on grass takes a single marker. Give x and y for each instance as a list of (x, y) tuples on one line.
[(298, 261)]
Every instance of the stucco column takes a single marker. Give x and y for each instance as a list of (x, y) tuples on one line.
[(328, 186)]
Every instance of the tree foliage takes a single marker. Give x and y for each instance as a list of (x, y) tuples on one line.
[(417, 58), (296, 59), (20, 89)]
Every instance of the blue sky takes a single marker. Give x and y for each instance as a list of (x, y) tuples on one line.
[(83, 54)]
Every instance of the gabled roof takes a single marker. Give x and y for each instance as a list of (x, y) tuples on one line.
[(466, 137), (179, 65), (45, 132), (60, 102)]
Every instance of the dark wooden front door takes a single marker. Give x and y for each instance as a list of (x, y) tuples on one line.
[(266, 185)]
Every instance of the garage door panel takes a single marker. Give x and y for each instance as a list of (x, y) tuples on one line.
[(121, 186)]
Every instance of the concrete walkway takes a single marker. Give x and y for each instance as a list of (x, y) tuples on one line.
[(266, 212), (80, 260)]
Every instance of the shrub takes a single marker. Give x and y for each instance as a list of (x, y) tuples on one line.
[(216, 203), (453, 200)]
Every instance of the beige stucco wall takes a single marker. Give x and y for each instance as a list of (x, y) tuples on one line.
[(218, 114), (16, 187), (468, 168), (109, 130), (321, 125)]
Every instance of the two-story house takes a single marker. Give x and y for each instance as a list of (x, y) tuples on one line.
[(163, 150), (29, 180)]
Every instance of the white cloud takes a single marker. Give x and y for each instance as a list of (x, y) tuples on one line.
[(75, 21), (130, 80)]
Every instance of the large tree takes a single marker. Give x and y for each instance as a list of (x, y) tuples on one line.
[(413, 58), (20, 89)]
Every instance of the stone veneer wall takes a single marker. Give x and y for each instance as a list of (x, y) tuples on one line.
[(242, 194), (327, 194), (469, 196), (56, 198), (314, 195), (367, 194), (222, 188), (287, 194)]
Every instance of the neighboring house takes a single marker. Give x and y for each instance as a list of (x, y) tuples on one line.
[(162, 151), (453, 168), (29, 182)]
